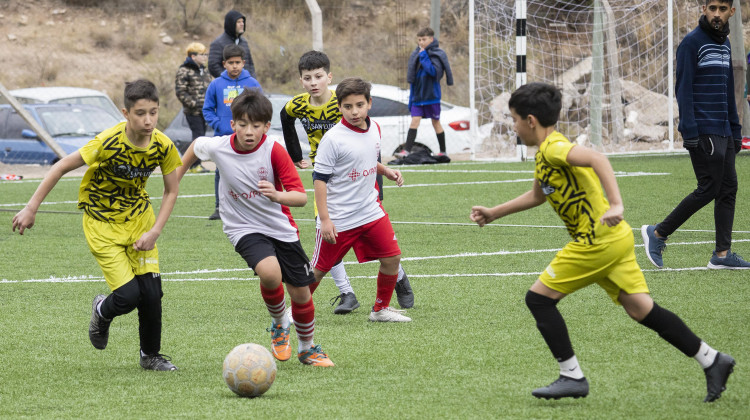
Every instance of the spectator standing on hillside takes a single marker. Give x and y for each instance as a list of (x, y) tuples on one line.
[(710, 129), (234, 26), (190, 86), (427, 64)]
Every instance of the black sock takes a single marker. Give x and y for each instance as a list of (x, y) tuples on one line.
[(551, 324), (441, 141), (672, 329), (411, 135)]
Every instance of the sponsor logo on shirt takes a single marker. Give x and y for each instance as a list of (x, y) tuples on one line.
[(248, 195), (128, 172), (354, 174)]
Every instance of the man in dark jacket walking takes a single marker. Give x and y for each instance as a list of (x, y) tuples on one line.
[(427, 64), (234, 27), (710, 130)]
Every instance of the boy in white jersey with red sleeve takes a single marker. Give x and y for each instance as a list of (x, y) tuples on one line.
[(349, 214), (258, 184)]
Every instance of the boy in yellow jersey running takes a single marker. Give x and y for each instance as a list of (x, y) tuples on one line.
[(318, 110), (573, 179), (118, 220)]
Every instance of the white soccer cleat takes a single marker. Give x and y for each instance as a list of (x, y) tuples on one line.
[(389, 315)]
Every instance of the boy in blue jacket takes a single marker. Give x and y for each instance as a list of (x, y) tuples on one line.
[(219, 96), (427, 64)]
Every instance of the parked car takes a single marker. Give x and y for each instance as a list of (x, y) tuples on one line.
[(179, 131), (67, 95), (71, 126), (390, 108)]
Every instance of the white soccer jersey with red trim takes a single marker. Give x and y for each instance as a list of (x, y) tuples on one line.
[(350, 155), (243, 208)]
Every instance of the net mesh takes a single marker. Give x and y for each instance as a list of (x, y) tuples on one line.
[(561, 44)]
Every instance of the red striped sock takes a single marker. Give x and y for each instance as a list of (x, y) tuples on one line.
[(275, 303), (304, 319), (386, 284)]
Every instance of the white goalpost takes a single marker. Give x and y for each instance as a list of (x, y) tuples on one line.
[(612, 59)]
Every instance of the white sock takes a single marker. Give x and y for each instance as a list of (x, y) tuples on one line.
[(570, 368), (400, 273), (304, 345), (706, 355), (338, 272)]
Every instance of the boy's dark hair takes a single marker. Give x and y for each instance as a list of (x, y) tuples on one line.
[(538, 99), (232, 50), (730, 2), (352, 86), (427, 31), (139, 89), (312, 60), (253, 104)]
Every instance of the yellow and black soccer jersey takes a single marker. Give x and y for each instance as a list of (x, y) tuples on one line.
[(315, 119), (114, 187), (574, 192)]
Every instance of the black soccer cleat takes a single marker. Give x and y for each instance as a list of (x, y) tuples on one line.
[(347, 303), (99, 326), (563, 387), (157, 361), (717, 375), (404, 294)]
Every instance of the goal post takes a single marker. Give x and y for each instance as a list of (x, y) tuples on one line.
[(612, 59)]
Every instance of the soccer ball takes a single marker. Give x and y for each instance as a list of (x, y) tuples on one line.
[(249, 370)]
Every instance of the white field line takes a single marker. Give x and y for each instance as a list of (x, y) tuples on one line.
[(173, 276), (443, 184)]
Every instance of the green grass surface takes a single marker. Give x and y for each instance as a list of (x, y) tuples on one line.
[(472, 350)]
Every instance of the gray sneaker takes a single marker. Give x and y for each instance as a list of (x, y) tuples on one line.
[(215, 215), (157, 361), (717, 375), (731, 261), (347, 303), (99, 326), (404, 294), (563, 387)]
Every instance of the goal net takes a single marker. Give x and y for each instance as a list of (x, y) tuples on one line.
[(610, 58)]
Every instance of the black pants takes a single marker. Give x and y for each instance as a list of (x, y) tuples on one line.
[(143, 292), (713, 164), (197, 127)]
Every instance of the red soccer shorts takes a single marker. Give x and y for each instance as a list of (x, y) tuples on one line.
[(372, 241)]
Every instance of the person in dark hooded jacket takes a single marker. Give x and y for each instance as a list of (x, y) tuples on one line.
[(234, 27), (427, 64)]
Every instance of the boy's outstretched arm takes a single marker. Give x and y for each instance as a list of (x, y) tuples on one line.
[(25, 218), (147, 241), (392, 174), (483, 215), (188, 158), (583, 156)]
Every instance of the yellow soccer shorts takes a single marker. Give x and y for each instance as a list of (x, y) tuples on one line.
[(610, 265), (112, 246)]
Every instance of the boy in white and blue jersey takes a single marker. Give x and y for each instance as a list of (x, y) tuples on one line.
[(710, 130)]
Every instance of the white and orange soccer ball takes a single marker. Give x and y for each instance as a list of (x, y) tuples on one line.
[(249, 370)]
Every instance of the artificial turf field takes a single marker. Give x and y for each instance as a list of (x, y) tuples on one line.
[(472, 350)]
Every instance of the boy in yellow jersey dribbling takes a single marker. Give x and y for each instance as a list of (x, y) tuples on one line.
[(573, 179), (118, 219)]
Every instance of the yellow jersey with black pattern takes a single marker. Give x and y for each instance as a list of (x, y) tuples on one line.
[(114, 186), (575, 193), (316, 120)]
